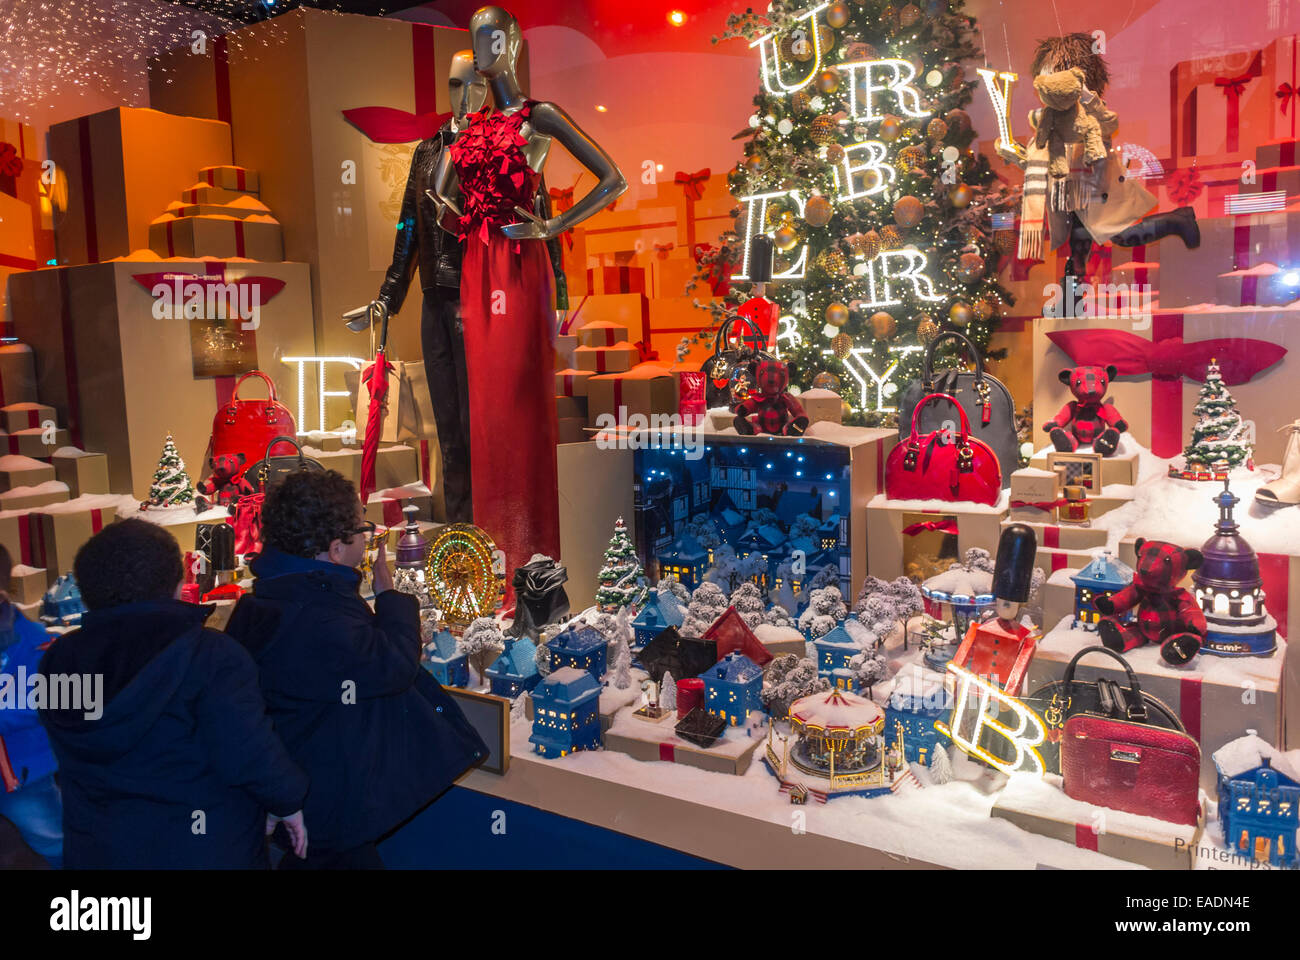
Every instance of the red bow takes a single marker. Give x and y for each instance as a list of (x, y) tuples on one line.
[(390, 125), (693, 183), (943, 526), (1184, 185), (662, 250), (563, 199), (11, 165), (1170, 359), (644, 353), (1045, 505), (1284, 93), (1234, 87)]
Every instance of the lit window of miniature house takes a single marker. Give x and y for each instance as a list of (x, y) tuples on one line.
[(661, 611), (515, 670), (566, 713), (1103, 576), (731, 688), (685, 560), (1230, 590), (1259, 800), (834, 651), (442, 658), (581, 647)]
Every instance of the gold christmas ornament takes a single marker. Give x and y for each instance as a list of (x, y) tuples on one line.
[(859, 51), (841, 344), (785, 238), (828, 81), (883, 325), (834, 153), (871, 244), (910, 158), (826, 37), (837, 314), (800, 49), (823, 130), (817, 211), (957, 118), (890, 238), (961, 195), (908, 212), (833, 261), (753, 165), (826, 381), (890, 127), (936, 129), (857, 244), (926, 328), (837, 14), (960, 314), (845, 410), (801, 101), (908, 16), (970, 267), (1004, 240), (983, 309)]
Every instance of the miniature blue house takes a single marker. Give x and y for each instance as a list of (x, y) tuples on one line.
[(580, 647), (1259, 800), (835, 650), (916, 704), (515, 670), (731, 688), (566, 713), (445, 662), (661, 611), (686, 560), (1103, 576), (62, 605)]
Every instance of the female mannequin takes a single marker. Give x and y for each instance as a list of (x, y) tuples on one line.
[(489, 178)]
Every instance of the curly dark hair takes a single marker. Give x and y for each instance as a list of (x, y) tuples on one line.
[(308, 509), (1072, 50), (131, 561)]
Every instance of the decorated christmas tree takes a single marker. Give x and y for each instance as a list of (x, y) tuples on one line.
[(622, 581), (171, 485), (859, 162), (1219, 434)]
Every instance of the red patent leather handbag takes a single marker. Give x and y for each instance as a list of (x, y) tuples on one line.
[(940, 466), (247, 426)]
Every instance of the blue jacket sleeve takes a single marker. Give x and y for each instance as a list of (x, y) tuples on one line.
[(232, 722), (27, 649)]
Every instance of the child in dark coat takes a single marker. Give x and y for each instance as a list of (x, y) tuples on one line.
[(374, 730), (178, 765)]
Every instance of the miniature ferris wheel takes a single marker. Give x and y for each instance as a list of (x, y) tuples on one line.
[(466, 579)]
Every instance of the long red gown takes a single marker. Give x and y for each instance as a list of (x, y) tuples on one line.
[(505, 296)]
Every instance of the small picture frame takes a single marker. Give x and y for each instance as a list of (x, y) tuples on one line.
[(1077, 469), (490, 716)]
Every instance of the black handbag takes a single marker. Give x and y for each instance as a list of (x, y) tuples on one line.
[(986, 400), (731, 371), (1062, 699), (270, 469)]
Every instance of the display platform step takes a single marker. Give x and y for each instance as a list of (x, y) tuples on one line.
[(240, 207), (17, 470), (1039, 805), (84, 473), (207, 193), (1259, 286), (602, 333), (28, 498), (651, 741)]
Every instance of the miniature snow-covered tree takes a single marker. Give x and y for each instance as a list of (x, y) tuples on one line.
[(1219, 434), (827, 576), (977, 558), (786, 679), (940, 765), (868, 669), (725, 571), (481, 643), (870, 587), (171, 485), (622, 581), (676, 588), (823, 604), (668, 693), (542, 656), (707, 604), (606, 623), (518, 708), (804, 527), (748, 601), (778, 616)]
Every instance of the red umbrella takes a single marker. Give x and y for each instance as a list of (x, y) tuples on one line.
[(375, 378)]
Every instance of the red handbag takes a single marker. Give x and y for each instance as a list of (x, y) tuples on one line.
[(1130, 759), (938, 466), (247, 426), (248, 524)]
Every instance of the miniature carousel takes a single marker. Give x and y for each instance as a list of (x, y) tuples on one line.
[(835, 748)]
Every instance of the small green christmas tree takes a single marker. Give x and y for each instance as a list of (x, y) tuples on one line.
[(622, 581), (171, 484), (1219, 435)]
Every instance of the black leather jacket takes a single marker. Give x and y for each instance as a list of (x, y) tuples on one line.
[(421, 242)]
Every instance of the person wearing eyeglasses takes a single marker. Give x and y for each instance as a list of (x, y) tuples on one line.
[(377, 735)]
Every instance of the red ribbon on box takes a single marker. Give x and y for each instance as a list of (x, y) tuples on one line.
[(561, 200), (1233, 88), (924, 526), (644, 353), (1045, 505), (693, 186), (1167, 358), (668, 752), (1085, 838), (1189, 705)]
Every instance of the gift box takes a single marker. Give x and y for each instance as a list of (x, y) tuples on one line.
[(205, 193), (26, 498), (1281, 78), (27, 584), (910, 538), (36, 442), (82, 472), (1259, 285), (17, 369), (396, 466), (675, 277), (240, 207), (601, 334), (1190, 278), (1216, 102), (17, 470), (822, 405), (23, 416), (565, 344), (346, 461), (573, 430), (1209, 695), (121, 400), (570, 408), (572, 383), (616, 359), (1035, 485), (640, 391), (230, 177), (56, 532), (123, 166), (616, 280), (255, 237)]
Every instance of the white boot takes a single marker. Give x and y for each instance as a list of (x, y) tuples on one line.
[(1285, 490)]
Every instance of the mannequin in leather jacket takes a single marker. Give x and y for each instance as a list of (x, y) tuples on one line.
[(422, 244)]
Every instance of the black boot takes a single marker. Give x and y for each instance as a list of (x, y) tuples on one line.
[(1180, 222), (1076, 268)]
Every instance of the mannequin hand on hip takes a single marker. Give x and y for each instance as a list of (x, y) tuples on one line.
[(532, 228)]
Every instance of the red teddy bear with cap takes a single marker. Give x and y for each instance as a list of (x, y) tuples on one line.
[(1089, 418), (1166, 613), (771, 409)]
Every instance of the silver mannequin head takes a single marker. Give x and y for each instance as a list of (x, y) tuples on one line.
[(465, 88), (497, 39)]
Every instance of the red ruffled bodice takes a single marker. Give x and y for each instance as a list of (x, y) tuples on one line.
[(494, 173)]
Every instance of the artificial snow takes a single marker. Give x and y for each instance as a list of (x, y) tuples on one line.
[(16, 461), (49, 486), (881, 501), (768, 634), (1045, 797), (959, 581)]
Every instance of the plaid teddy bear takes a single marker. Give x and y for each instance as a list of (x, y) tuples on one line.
[(770, 408), (1166, 613), (1089, 418)]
